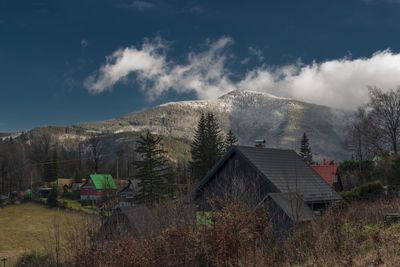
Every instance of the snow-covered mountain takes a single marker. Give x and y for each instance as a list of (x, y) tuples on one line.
[(251, 115)]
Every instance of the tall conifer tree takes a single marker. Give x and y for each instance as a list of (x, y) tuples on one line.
[(305, 150), (207, 146), (198, 149), (214, 141), (51, 167), (230, 140), (152, 170)]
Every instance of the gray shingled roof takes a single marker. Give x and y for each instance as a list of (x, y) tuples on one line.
[(284, 169), (288, 172), (292, 205)]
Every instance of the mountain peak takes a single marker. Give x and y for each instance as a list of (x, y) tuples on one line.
[(251, 115), (248, 93)]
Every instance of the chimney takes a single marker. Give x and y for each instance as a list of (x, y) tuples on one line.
[(260, 143)]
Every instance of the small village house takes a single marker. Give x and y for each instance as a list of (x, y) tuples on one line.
[(3, 200), (132, 219), (290, 190), (44, 192), (329, 171), (76, 187), (61, 183), (98, 185), (127, 194)]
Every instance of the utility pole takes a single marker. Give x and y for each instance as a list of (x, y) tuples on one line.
[(117, 169)]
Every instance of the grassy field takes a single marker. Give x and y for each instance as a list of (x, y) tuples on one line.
[(29, 226), (75, 205)]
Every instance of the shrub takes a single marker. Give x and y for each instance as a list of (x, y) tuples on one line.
[(368, 191), (352, 175), (52, 199), (235, 235), (25, 197), (371, 191), (239, 236), (62, 204), (33, 259), (87, 202), (351, 195), (353, 165), (70, 195)]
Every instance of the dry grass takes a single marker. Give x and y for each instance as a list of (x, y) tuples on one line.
[(231, 240), (30, 226), (355, 236)]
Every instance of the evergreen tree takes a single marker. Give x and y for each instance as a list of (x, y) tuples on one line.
[(52, 199), (198, 149), (183, 178), (214, 141), (23, 137), (152, 170), (207, 146), (230, 140), (51, 167), (171, 183), (77, 173), (394, 176), (305, 150)]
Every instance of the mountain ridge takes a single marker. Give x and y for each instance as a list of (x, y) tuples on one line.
[(250, 115)]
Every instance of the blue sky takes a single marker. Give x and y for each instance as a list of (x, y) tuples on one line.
[(64, 62)]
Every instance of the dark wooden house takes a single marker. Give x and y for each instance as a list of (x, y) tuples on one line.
[(126, 219), (3, 200), (278, 178), (44, 192), (127, 194)]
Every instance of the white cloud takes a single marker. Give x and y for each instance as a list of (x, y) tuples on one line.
[(256, 52), (204, 73), (339, 83), (245, 60)]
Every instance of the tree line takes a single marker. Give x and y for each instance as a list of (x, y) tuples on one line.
[(374, 139), (376, 127), (32, 161), (158, 181), (209, 144)]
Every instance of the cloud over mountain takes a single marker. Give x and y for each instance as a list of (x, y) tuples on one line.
[(205, 72), (338, 83)]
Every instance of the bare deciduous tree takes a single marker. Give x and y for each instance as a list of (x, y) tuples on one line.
[(366, 140), (376, 126), (384, 115), (95, 146)]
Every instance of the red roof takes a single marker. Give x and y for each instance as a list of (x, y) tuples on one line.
[(327, 172)]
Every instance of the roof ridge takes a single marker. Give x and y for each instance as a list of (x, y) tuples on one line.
[(267, 148)]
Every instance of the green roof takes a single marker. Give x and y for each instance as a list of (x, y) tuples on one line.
[(103, 181)]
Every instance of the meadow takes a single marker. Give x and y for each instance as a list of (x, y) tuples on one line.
[(32, 227)]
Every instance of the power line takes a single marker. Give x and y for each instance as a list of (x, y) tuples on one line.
[(52, 162)]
